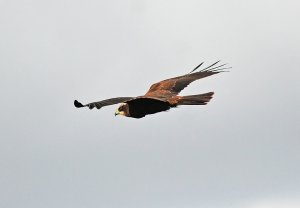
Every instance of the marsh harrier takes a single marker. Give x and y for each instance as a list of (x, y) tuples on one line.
[(161, 96)]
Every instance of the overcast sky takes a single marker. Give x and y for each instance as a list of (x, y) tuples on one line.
[(241, 150)]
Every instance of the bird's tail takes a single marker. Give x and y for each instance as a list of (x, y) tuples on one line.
[(201, 99)]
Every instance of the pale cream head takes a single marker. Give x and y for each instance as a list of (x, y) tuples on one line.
[(122, 110)]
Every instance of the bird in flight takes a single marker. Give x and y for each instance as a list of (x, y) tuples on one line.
[(162, 95)]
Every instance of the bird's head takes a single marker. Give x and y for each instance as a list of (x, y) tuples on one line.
[(123, 110)]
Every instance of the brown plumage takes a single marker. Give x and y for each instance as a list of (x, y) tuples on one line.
[(161, 96)]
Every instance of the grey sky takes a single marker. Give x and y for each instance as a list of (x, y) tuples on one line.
[(241, 150)]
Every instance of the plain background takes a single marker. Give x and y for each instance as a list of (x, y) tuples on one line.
[(241, 150)]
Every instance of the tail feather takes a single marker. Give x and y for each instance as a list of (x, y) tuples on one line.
[(201, 99)]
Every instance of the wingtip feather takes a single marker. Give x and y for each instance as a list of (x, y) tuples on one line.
[(78, 104)]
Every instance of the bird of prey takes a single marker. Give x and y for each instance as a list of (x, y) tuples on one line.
[(162, 95)]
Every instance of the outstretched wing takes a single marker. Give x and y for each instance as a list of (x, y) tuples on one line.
[(103, 103), (173, 86)]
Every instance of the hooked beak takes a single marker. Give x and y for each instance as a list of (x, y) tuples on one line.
[(117, 113)]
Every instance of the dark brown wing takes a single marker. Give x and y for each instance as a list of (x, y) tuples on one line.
[(173, 86), (103, 103)]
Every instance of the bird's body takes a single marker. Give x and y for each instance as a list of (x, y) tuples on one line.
[(161, 96)]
